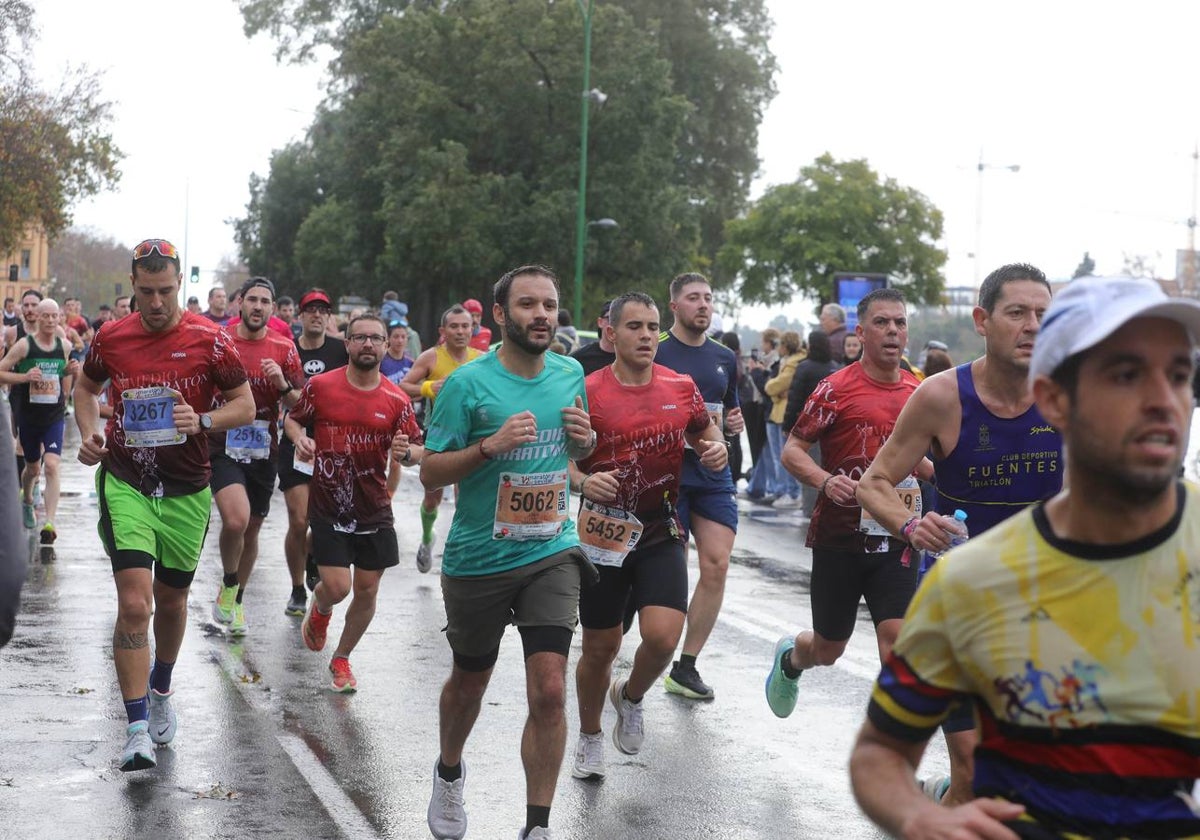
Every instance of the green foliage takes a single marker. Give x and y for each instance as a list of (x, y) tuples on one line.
[(89, 266), (54, 149), (838, 216), (451, 140)]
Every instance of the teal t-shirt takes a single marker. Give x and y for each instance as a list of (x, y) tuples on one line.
[(514, 509)]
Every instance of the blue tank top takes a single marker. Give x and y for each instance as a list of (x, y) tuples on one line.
[(998, 466)]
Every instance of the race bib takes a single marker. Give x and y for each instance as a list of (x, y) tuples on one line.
[(148, 417), (47, 390), (607, 534), (530, 507), (909, 492), (249, 443)]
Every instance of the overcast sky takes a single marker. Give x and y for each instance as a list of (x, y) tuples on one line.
[(1097, 109)]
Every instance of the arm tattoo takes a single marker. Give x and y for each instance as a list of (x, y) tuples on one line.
[(130, 641)]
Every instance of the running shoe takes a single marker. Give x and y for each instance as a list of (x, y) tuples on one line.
[(537, 833), (447, 814), (163, 721), (312, 575), (222, 611), (27, 516), (781, 689), (343, 677), (589, 756), (48, 534), (685, 681), (296, 605), (425, 557), (935, 787), (627, 734), (139, 749), (38, 501), (314, 626), (237, 624)]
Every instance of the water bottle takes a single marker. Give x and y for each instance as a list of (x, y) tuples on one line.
[(958, 537)]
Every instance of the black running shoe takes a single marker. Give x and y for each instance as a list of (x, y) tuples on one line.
[(686, 682)]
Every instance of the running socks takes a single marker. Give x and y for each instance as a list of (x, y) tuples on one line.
[(160, 676), (229, 579), (428, 517), (241, 592), (686, 660), (536, 815), (453, 774), (138, 709), (785, 662), (298, 593)]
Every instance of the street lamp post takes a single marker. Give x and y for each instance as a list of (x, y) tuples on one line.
[(587, 7), (1012, 167)]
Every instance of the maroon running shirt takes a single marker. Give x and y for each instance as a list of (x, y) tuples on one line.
[(353, 431), (851, 415), (195, 358), (640, 433), (266, 395)]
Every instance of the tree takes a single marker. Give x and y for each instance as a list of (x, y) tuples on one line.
[(720, 65), (1086, 267), (838, 216), (54, 149), (449, 151), (1139, 265), (90, 266)]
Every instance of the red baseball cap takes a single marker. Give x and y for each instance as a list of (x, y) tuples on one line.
[(315, 296), (472, 305)]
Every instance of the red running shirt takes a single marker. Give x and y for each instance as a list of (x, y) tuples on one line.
[(266, 395), (850, 415), (639, 433), (353, 431), (196, 358)]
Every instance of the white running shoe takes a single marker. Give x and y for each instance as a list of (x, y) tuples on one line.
[(425, 557), (589, 756), (139, 749), (163, 720), (627, 734), (447, 814)]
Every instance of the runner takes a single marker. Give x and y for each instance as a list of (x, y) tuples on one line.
[(152, 483), (707, 503), (599, 354), (218, 303), (512, 555), (642, 413), (850, 414), (396, 364), (358, 417), (481, 336), (39, 363), (319, 353), (1072, 624), (993, 455), (424, 380), (244, 459)]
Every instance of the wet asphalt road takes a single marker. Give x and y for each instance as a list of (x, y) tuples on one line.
[(266, 749)]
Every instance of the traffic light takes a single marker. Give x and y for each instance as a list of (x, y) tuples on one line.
[(195, 274)]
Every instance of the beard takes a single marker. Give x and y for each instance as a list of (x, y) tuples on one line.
[(1132, 485), (520, 337), (360, 364)]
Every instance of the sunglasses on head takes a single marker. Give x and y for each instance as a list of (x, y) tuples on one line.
[(150, 247), (936, 345)]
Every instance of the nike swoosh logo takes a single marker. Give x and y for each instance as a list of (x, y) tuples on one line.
[(163, 731)]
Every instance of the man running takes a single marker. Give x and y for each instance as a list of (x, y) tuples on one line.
[(481, 336), (218, 306), (319, 353), (424, 380), (850, 414), (357, 417), (707, 499), (1094, 592), (598, 354), (642, 414), (243, 459), (993, 454), (39, 362), (503, 429), (152, 484)]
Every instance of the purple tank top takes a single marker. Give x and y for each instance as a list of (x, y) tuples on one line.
[(998, 466)]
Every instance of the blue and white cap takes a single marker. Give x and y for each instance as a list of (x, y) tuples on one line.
[(1090, 309)]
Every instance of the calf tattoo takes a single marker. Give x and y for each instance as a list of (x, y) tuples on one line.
[(130, 641)]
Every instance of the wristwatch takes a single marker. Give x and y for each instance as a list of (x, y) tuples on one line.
[(285, 391), (205, 422)]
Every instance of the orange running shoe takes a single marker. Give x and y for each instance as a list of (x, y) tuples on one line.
[(343, 677), (314, 626)]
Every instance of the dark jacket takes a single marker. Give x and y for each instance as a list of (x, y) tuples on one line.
[(809, 372)]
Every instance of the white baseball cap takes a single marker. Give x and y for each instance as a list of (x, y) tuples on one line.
[(1090, 309)]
